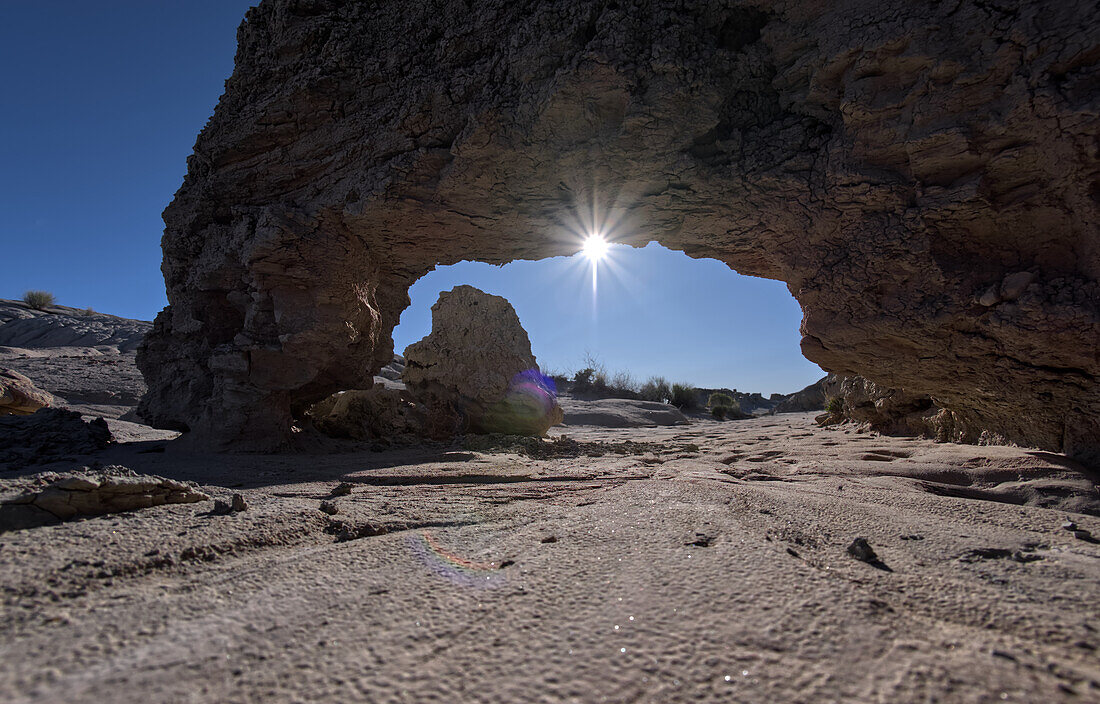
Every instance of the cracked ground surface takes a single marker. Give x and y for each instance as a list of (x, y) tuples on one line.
[(707, 563)]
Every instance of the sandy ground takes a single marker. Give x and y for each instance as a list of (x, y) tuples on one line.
[(708, 565)]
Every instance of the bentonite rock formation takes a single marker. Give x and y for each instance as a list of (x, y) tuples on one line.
[(52, 498), (922, 175), (19, 396), (475, 371)]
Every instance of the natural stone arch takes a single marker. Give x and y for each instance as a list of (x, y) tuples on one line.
[(893, 162)]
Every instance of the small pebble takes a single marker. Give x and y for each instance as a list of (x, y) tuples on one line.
[(343, 489), (329, 507)]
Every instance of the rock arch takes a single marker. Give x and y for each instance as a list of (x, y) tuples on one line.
[(924, 176)]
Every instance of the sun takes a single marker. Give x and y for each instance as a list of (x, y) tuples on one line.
[(595, 247)]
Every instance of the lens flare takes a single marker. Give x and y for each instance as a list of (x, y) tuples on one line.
[(453, 567)]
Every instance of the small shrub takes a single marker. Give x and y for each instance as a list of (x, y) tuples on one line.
[(720, 399), (599, 381), (39, 300), (683, 396), (624, 383), (835, 406), (89, 311), (719, 412), (656, 389)]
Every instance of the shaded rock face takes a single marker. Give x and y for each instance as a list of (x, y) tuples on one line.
[(19, 396), (374, 413), (49, 435), (922, 175), (475, 371), (899, 412), (889, 411)]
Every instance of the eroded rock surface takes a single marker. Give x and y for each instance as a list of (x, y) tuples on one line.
[(52, 498), (49, 435), (899, 412), (19, 396), (475, 371), (922, 175)]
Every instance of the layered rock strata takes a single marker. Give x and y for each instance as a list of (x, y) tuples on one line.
[(922, 175), (53, 498)]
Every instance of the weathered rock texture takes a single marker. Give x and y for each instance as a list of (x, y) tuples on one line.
[(52, 498), (19, 396), (475, 371), (924, 176), (898, 412)]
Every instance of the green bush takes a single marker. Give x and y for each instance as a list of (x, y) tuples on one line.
[(39, 300), (720, 399), (835, 406), (683, 396), (719, 412), (656, 389)]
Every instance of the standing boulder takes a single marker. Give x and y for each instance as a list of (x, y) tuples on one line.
[(475, 371)]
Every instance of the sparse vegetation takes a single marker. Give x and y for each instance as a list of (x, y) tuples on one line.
[(656, 389), (835, 406), (684, 397), (720, 399), (721, 404), (39, 300), (624, 381)]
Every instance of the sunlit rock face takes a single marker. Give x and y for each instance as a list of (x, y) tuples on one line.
[(924, 176), (475, 371)]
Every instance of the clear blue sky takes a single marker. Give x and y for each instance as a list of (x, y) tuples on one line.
[(103, 101)]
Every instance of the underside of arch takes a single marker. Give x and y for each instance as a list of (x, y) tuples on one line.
[(923, 176)]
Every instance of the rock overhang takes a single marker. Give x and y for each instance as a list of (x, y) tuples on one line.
[(892, 171)]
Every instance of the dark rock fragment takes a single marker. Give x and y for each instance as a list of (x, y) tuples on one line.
[(861, 550)]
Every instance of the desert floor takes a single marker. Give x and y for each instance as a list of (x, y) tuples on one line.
[(693, 563)]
